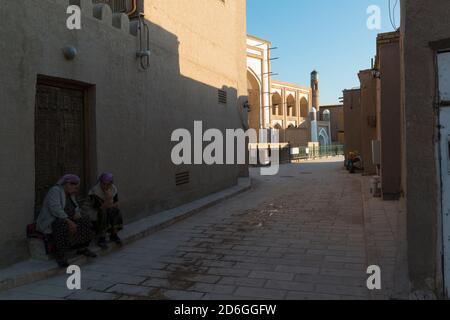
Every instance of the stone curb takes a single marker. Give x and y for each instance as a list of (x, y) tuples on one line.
[(32, 270)]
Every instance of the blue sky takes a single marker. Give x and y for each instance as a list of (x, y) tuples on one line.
[(328, 35)]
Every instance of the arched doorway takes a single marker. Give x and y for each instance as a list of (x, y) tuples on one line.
[(291, 106), (304, 108), (324, 139), (277, 104), (254, 100)]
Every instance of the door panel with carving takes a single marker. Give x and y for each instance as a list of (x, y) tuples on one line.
[(59, 136)]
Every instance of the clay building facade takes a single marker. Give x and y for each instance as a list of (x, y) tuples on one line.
[(389, 120), (368, 101), (425, 99), (352, 120), (412, 70), (114, 111)]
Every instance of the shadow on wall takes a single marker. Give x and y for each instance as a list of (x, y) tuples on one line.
[(119, 116), (176, 101)]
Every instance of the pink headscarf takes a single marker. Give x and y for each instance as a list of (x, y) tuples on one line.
[(68, 178), (106, 178)]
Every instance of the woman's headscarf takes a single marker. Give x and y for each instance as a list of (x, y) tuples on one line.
[(68, 178), (106, 178), (97, 189)]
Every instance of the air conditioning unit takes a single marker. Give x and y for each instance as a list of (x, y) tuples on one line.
[(376, 152)]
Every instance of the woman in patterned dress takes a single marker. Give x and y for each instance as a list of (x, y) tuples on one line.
[(104, 200), (61, 218)]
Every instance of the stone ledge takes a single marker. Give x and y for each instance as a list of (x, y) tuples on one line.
[(33, 270)]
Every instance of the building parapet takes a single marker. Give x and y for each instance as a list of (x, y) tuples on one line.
[(102, 11)]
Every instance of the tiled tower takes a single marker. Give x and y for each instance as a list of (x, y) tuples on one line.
[(315, 91)]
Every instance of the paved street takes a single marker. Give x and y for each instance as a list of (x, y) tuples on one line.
[(298, 235)]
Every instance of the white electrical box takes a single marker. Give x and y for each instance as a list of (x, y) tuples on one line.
[(376, 152)]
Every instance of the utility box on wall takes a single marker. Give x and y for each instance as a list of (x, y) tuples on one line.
[(376, 152)]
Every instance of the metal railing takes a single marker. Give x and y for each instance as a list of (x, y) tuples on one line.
[(289, 153), (305, 153)]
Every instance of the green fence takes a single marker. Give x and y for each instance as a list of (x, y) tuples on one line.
[(290, 153), (304, 153)]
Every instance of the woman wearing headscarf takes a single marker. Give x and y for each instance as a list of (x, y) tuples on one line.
[(104, 199), (60, 217)]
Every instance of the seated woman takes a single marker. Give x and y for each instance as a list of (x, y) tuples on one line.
[(353, 159), (104, 199), (60, 217)]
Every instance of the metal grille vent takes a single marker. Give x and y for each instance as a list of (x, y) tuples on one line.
[(222, 96), (116, 5), (182, 178)]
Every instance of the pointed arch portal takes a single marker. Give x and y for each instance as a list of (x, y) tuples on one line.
[(254, 100), (324, 138)]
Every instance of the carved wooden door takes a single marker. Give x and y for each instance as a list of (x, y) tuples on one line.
[(59, 137)]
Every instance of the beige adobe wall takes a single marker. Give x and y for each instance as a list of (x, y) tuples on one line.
[(337, 120), (422, 22), (211, 35), (352, 121), (197, 47), (368, 119), (389, 115), (298, 136)]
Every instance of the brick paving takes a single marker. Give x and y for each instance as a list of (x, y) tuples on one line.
[(385, 231), (297, 235)]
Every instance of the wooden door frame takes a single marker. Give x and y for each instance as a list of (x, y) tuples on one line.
[(439, 47), (87, 125)]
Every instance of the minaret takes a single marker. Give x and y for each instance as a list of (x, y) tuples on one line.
[(315, 91)]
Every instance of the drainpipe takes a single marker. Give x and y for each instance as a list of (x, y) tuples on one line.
[(134, 8)]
